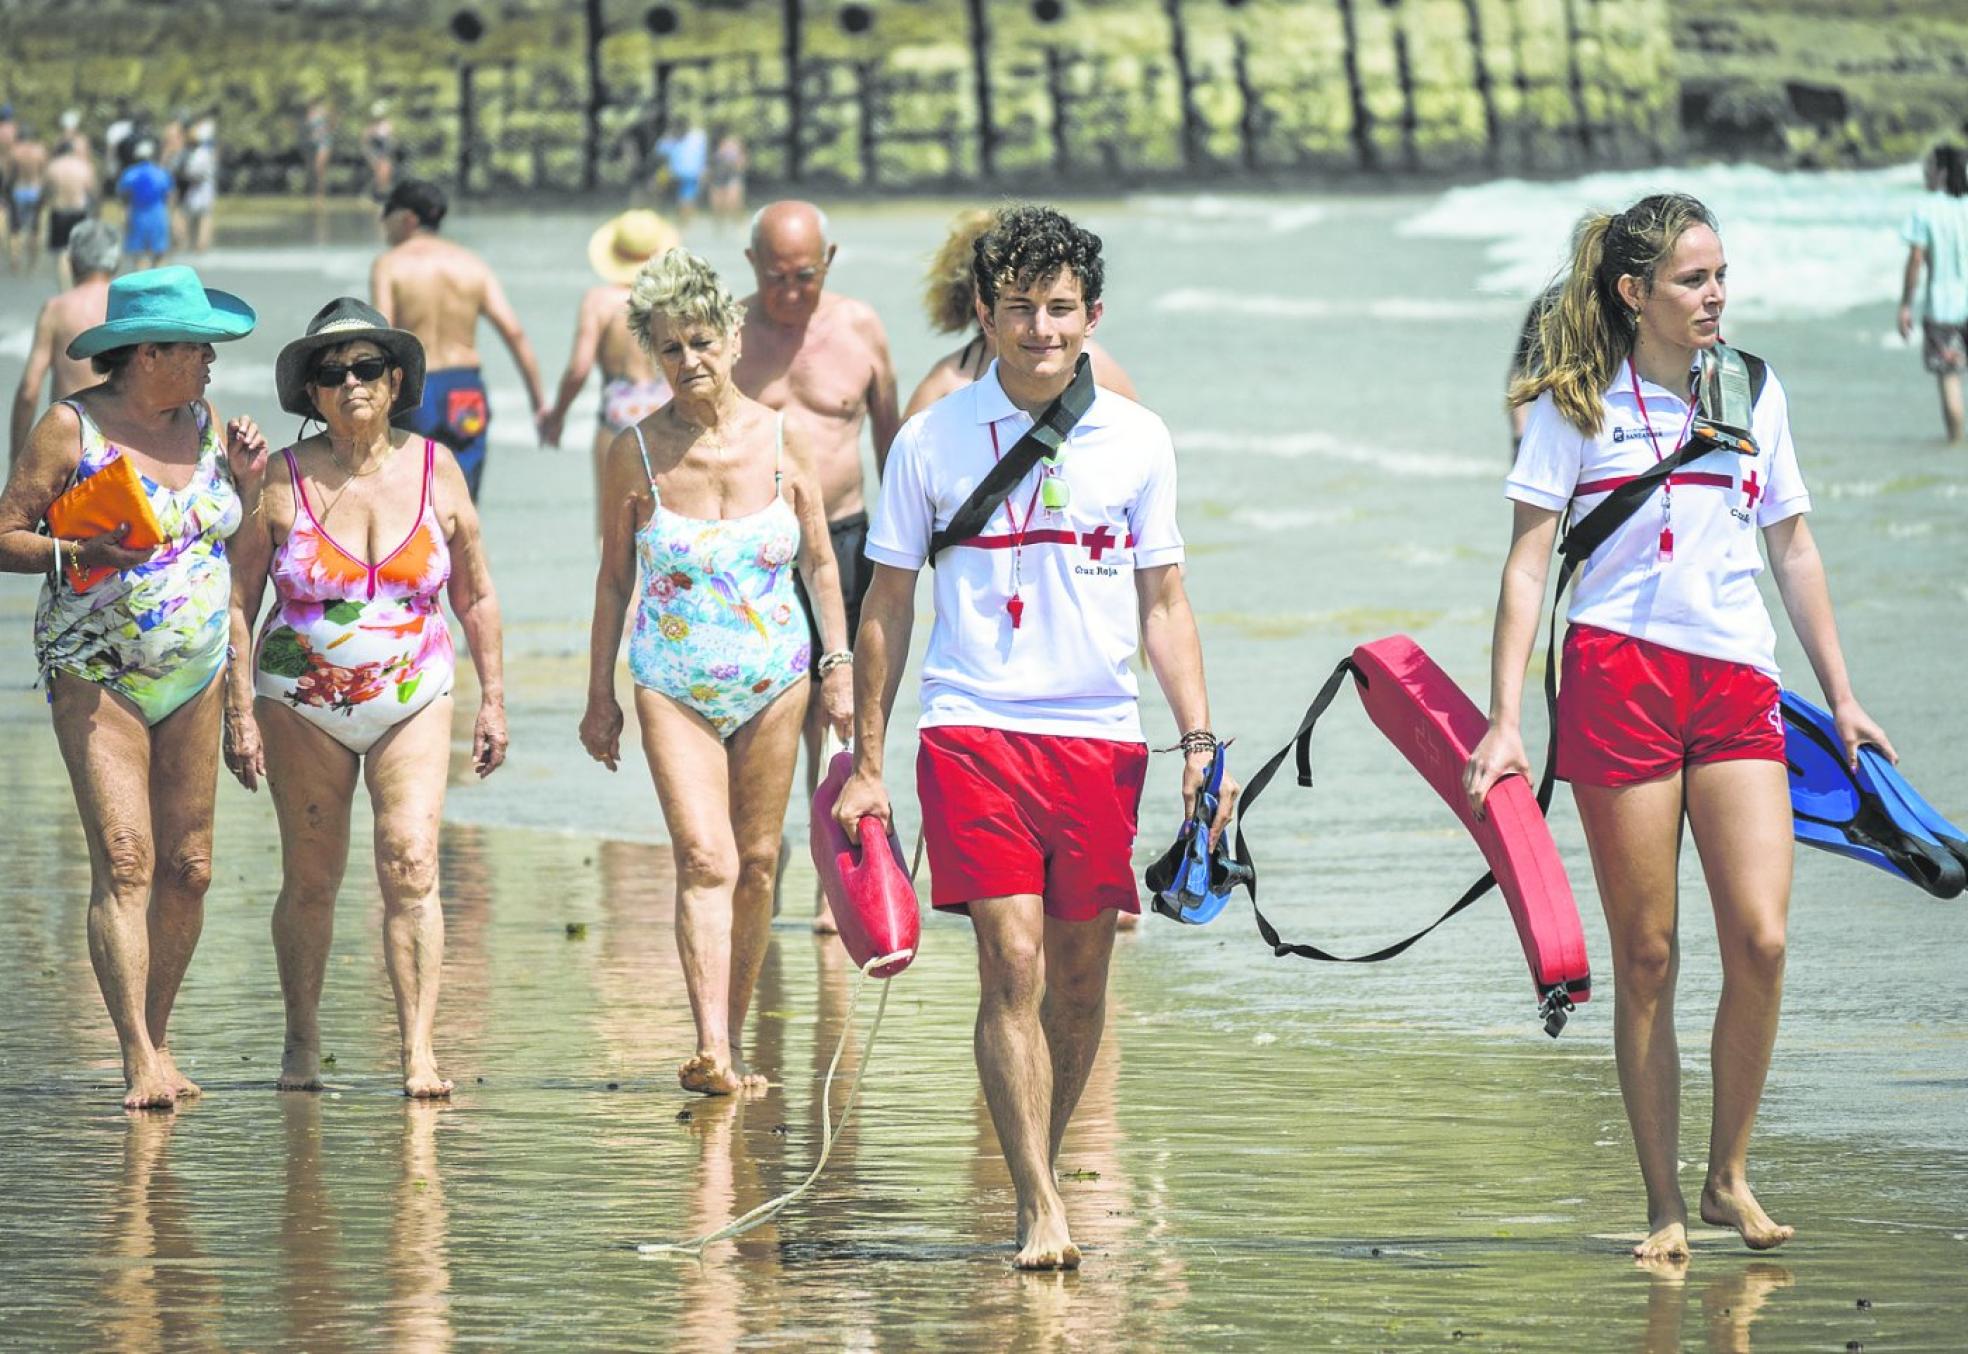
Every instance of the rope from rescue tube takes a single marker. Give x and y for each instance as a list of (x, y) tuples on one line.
[(830, 1131)]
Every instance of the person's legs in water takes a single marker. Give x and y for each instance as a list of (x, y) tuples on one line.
[(692, 771), (1741, 817), (1944, 352), (406, 771), (761, 757), (1634, 834), (1951, 410), (311, 778)]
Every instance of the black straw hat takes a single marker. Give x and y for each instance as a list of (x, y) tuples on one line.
[(344, 320)]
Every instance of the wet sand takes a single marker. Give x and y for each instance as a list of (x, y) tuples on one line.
[(1270, 1154)]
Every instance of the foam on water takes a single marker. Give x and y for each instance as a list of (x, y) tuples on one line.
[(1799, 244), (1278, 216), (1206, 300), (1325, 446)]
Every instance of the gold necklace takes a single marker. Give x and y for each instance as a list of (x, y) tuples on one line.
[(351, 476)]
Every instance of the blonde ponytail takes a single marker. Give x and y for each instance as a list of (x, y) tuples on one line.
[(1587, 331)]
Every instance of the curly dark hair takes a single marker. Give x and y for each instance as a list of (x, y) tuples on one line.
[(1030, 245)]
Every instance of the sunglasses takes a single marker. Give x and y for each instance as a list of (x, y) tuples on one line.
[(331, 374)]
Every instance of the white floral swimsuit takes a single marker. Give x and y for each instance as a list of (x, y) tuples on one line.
[(719, 628)]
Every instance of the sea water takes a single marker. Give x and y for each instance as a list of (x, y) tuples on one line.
[(1271, 1153)]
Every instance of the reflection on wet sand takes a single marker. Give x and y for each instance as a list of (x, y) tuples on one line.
[(1730, 1304), (313, 1295), (419, 1246), (157, 1292)]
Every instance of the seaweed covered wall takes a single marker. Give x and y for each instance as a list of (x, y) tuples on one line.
[(881, 93)]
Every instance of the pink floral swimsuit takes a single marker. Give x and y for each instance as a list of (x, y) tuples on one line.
[(720, 628), (356, 648)]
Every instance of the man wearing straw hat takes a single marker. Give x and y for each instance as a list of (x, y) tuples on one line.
[(439, 291), (631, 386)]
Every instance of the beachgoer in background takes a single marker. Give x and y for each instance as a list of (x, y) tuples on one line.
[(439, 291), (71, 197), (1032, 757), (25, 188), (198, 180), (92, 257), (120, 139), (351, 677), (318, 147), (130, 664), (1523, 361), (380, 149), (1937, 246), (821, 359), (170, 157), (70, 125), (950, 298), (718, 498), (632, 386), (685, 150), (9, 137), (727, 188), (145, 188), (1668, 706)]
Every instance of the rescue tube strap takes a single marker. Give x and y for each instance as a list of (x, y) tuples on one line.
[(1302, 743), (1044, 438)]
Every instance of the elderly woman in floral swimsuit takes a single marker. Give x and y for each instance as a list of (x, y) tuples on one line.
[(363, 527), (719, 505), (129, 661)]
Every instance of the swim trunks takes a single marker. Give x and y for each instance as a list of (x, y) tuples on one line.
[(1630, 710), (850, 540), (1024, 813), (24, 208), (456, 413), (717, 629), (355, 649), (147, 232), (62, 224), (1944, 347), (154, 634), (625, 402)]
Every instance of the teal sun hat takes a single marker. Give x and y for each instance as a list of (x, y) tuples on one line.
[(165, 305)]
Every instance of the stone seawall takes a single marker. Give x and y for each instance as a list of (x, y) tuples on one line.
[(901, 94)]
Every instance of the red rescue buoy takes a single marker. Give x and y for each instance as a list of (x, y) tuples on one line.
[(866, 883)]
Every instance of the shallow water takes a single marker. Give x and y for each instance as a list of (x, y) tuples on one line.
[(1270, 1154)]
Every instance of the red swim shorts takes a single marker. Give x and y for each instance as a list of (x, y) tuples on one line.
[(1630, 710), (1007, 813)]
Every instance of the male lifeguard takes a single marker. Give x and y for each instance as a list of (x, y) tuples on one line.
[(1032, 757)]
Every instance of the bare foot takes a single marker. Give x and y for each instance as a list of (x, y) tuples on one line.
[(1045, 1244), (1667, 1243), (1737, 1208), (300, 1069), (421, 1081), (186, 1087), (823, 917), (708, 1075), (149, 1088)]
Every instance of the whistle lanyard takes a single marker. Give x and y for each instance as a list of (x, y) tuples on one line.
[(1015, 605), (1667, 489)]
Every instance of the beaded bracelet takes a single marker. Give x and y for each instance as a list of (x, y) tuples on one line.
[(829, 661)]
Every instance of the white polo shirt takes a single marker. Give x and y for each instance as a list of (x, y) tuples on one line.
[(1064, 668), (1704, 599)]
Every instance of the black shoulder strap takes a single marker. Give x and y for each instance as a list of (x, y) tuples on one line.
[(1302, 741), (1044, 438)]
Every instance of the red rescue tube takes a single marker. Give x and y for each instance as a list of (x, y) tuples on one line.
[(1436, 726), (866, 883)]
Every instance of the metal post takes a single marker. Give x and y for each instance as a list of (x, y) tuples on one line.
[(980, 58), (1363, 145), (1485, 86), (1584, 125), (795, 96), (868, 77), (1062, 158), (467, 127), (1185, 82), (1247, 118), (1404, 74), (591, 132)]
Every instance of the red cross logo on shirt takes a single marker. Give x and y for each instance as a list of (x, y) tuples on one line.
[(1751, 489), (1099, 541)]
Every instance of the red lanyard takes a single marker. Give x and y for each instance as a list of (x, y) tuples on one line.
[(1667, 490), (1016, 604)]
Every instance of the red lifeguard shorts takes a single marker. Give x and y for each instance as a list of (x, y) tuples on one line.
[(1007, 813), (1630, 710)]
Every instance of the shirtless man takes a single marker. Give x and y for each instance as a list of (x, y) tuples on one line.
[(71, 196), (631, 386), (438, 291), (92, 256), (9, 136), (24, 190), (822, 359)]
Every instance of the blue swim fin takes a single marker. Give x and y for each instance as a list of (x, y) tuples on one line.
[(1190, 883), (1869, 815)]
